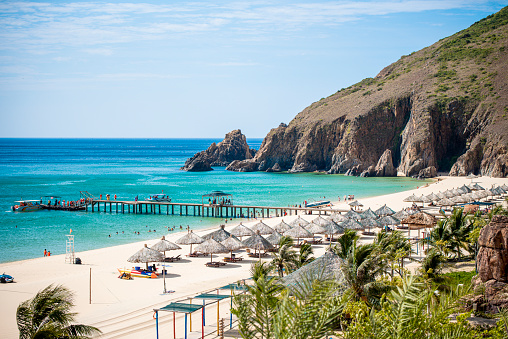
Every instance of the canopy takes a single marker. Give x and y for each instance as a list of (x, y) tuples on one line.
[(164, 245), (353, 215), (146, 255), (384, 210), (420, 220), (298, 222), (298, 232), (257, 242), (262, 228), (241, 231), (220, 235), (369, 214), (217, 194), (281, 227)]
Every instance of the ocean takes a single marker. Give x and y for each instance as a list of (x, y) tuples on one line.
[(35, 168)]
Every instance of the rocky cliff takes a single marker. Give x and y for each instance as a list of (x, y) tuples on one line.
[(233, 147), (443, 108)]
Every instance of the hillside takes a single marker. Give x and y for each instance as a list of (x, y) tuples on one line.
[(443, 108)]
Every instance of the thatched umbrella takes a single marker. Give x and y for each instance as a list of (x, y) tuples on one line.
[(352, 225), (298, 232), (471, 176), (440, 195), (298, 222), (369, 223), (433, 197), (465, 189), (232, 244), (281, 227), (384, 210), (467, 197), (505, 187), (445, 202), (369, 214), (353, 215), (457, 192), (388, 220), (424, 199), (274, 238), (146, 255), (458, 199), (402, 214), (220, 235), (263, 228), (411, 198), (241, 231), (337, 217), (315, 229), (476, 195), (476, 187), (189, 239), (164, 245), (257, 243), (418, 221), (211, 246), (355, 203), (449, 194)]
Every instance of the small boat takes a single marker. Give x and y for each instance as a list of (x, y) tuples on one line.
[(5, 278), (319, 203), (159, 198), (138, 273), (27, 206)]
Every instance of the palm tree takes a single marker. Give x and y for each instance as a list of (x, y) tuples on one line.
[(459, 226), (304, 256), (285, 257), (47, 315), (393, 247), (344, 243)]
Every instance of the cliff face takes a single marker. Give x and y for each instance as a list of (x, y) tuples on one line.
[(442, 108), (233, 147)]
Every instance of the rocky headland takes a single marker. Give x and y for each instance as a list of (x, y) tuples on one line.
[(443, 108), (233, 147)]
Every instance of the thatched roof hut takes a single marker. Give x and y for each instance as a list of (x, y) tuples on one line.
[(420, 220)]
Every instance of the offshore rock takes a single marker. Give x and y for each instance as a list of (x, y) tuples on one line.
[(233, 147), (384, 167), (243, 166), (493, 255)]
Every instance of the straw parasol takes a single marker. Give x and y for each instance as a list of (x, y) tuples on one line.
[(355, 203), (298, 232), (370, 223), (262, 228), (384, 210), (146, 255), (388, 220), (220, 235), (445, 202), (189, 239), (401, 214), (257, 243), (315, 228), (433, 197), (441, 195), (419, 220), (274, 238), (465, 189), (352, 225), (211, 246), (281, 227), (232, 244), (298, 222), (353, 215), (505, 187), (411, 198), (458, 199), (449, 194), (337, 217), (476, 187), (369, 214), (476, 195), (425, 199), (241, 231), (164, 245), (457, 192)]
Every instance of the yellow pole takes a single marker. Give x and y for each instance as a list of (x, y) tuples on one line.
[(190, 317), (217, 316)]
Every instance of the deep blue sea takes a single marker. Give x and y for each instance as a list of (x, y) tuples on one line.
[(33, 168)]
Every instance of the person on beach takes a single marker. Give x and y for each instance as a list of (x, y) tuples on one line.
[(49, 253), (115, 196), (45, 253)]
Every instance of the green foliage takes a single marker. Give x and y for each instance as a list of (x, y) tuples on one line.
[(48, 315)]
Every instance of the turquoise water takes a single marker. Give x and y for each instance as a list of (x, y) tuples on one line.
[(32, 168)]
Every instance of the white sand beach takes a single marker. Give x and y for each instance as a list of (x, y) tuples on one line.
[(124, 308)]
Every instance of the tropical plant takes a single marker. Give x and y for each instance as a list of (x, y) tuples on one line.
[(284, 259), (344, 243), (48, 315), (432, 265), (304, 256), (393, 247)]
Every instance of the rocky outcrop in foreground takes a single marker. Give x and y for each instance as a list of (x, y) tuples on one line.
[(443, 108), (492, 263), (233, 147)]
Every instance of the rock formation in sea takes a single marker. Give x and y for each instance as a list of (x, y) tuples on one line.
[(492, 261), (443, 108), (234, 147)]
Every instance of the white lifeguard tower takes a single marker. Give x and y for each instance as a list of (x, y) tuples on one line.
[(69, 248)]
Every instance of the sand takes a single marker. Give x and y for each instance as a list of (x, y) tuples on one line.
[(124, 308)]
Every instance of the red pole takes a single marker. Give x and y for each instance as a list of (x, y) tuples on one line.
[(174, 326)]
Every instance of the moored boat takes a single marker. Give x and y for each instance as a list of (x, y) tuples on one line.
[(159, 198), (321, 203), (27, 206)]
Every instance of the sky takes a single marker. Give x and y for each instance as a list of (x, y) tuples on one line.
[(199, 69)]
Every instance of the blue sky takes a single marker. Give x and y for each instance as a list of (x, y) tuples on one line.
[(161, 69)]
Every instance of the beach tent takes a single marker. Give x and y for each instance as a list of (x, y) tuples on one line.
[(189, 239), (146, 255), (220, 235), (281, 227), (262, 228), (211, 246)]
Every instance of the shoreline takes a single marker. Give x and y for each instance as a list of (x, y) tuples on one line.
[(123, 308)]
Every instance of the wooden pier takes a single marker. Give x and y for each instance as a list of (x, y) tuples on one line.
[(201, 210)]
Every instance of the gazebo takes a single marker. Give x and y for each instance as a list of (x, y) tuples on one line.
[(217, 194)]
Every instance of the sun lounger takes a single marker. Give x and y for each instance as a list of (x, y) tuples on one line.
[(215, 264)]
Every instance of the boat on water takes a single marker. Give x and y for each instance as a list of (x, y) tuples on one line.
[(138, 273), (27, 206), (159, 198), (321, 203)]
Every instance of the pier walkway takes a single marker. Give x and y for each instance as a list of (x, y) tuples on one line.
[(203, 210)]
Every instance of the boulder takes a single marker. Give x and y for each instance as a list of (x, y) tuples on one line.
[(384, 167), (427, 172), (243, 166), (233, 147), (493, 255)]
